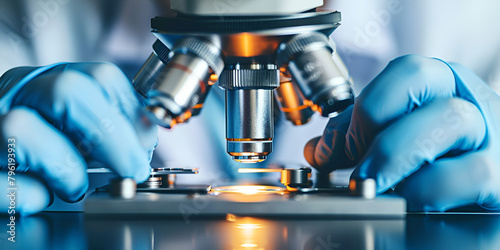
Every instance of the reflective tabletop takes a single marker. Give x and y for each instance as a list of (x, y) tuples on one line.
[(72, 230)]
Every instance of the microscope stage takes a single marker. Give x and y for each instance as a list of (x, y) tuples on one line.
[(265, 204)]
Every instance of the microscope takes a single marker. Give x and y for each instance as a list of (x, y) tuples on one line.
[(261, 53), (255, 51)]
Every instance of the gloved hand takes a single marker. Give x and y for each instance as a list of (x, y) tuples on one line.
[(56, 120), (424, 127)]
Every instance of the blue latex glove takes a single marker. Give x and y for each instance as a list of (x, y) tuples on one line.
[(424, 127), (63, 117)]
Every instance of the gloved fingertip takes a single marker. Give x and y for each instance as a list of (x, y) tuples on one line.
[(143, 172), (51, 199), (143, 176), (80, 199), (76, 184), (76, 196), (309, 150)]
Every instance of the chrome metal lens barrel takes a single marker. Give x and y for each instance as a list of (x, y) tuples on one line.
[(152, 70), (249, 124), (249, 110), (308, 58), (180, 86)]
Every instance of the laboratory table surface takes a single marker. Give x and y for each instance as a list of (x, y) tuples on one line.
[(74, 230)]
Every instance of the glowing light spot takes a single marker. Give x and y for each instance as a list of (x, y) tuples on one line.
[(249, 189), (248, 245), (249, 226)]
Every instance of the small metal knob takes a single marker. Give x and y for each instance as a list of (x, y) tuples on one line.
[(365, 188), (123, 188), (296, 178)]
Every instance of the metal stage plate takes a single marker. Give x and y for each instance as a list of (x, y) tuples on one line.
[(274, 204)]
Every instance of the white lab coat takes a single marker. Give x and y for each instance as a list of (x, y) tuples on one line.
[(372, 33)]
